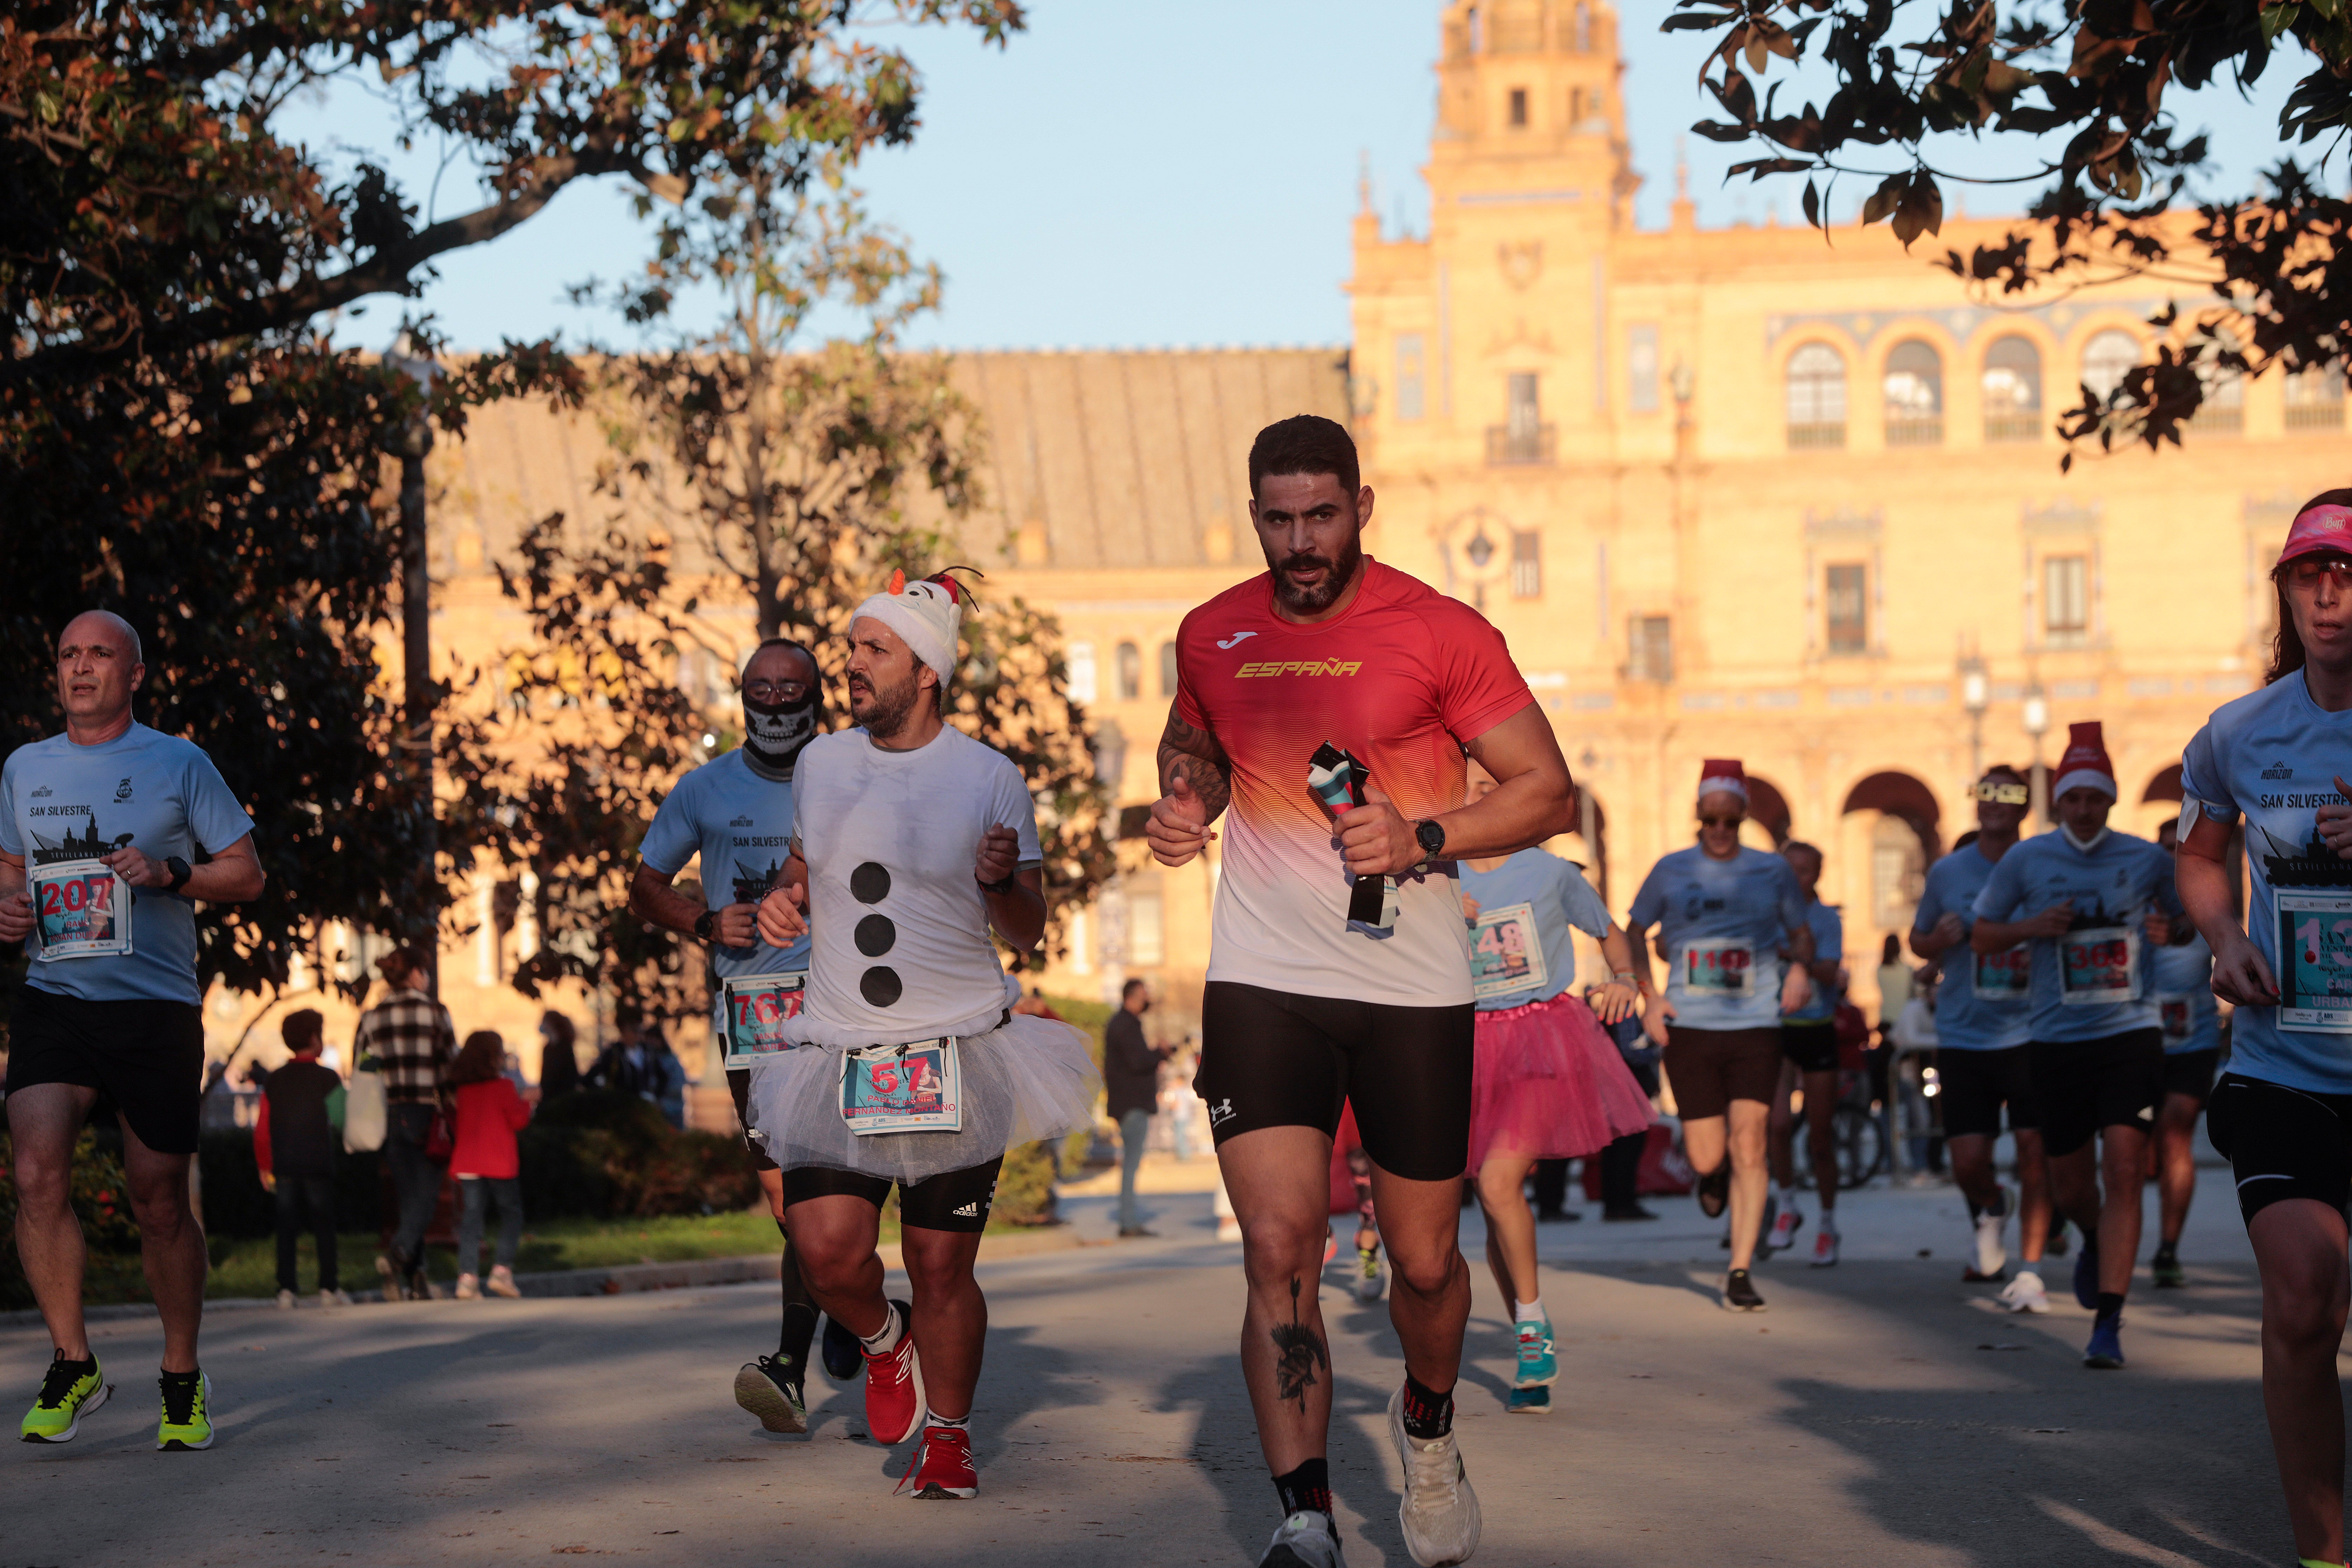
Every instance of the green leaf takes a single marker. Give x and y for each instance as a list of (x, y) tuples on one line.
[(2277, 19)]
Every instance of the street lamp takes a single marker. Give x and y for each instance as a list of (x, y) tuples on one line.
[(410, 441), (1976, 696), (2036, 716)]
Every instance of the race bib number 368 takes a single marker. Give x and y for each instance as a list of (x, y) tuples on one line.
[(2314, 967), (2098, 966), (82, 909)]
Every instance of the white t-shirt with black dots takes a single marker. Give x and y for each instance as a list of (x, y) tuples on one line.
[(900, 946)]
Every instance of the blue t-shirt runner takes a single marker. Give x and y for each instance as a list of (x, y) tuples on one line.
[(1828, 926), (2094, 982), (2185, 1008), (1722, 924), (1527, 906), (1981, 1000)]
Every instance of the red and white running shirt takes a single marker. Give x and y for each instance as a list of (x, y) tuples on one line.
[(1401, 679)]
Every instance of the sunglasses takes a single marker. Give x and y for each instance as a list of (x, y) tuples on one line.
[(1721, 821), (2308, 572), (2004, 793)]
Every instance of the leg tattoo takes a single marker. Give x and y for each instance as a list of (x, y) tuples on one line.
[(1301, 1353)]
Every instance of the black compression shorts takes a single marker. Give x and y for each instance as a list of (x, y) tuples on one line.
[(146, 1058), (2283, 1142), (1974, 1085), (952, 1200), (1272, 1058), (2191, 1073), (739, 1084), (1812, 1047), (1709, 1068), (2115, 1080)]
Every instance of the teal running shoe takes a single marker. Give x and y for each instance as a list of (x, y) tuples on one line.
[(1538, 1368)]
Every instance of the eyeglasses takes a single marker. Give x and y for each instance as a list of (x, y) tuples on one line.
[(775, 690), (2003, 793), (2308, 572), (1731, 821)]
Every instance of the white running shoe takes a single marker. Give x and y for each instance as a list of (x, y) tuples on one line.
[(1307, 1538), (2024, 1293), (1369, 1279), (1992, 1257), (1439, 1514), (1783, 1234), (286, 1300), (1825, 1247)]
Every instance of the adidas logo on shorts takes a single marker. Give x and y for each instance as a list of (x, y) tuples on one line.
[(969, 1211)]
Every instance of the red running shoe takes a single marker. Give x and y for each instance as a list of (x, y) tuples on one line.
[(893, 1385), (942, 1466)]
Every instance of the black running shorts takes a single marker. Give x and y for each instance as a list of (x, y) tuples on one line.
[(739, 1084), (1812, 1047), (1709, 1068), (952, 1200), (1972, 1086), (1272, 1058), (2283, 1142), (2191, 1072), (146, 1058), (2115, 1080)]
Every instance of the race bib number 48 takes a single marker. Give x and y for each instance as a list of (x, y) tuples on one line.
[(1504, 953), (2099, 966), (82, 909), (915, 1088), (1719, 969), (756, 1010), (2004, 977), (2315, 968)]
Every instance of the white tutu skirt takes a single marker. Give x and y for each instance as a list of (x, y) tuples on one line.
[(1031, 1079)]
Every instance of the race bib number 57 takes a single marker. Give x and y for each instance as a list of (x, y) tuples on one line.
[(2315, 968), (82, 909), (915, 1088)]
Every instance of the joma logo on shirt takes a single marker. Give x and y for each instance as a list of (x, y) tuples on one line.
[(1298, 666)]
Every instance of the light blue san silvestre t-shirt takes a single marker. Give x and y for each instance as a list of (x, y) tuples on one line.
[(1557, 896), (2185, 1007), (1828, 926), (1724, 923), (1981, 1001), (741, 825), (62, 805), (2094, 981), (2272, 758)]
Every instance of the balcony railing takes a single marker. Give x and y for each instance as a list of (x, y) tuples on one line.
[(1825, 437), (1510, 448), (2219, 419), (1928, 431), (2317, 415), (2000, 427)]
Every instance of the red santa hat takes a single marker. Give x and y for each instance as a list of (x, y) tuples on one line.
[(2085, 763), (1723, 775)]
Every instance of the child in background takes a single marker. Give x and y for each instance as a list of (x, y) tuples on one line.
[(490, 1114), (295, 1131)]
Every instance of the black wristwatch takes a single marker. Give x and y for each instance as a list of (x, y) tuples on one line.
[(180, 870), (1005, 884), (706, 924), (1431, 838)]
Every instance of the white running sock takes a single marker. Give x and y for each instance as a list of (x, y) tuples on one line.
[(960, 1422), (1789, 1200), (886, 1338), (1532, 1311)]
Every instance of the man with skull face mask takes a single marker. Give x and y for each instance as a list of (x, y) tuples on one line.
[(735, 813)]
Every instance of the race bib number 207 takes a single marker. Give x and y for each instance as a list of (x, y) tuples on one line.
[(82, 909), (2315, 968)]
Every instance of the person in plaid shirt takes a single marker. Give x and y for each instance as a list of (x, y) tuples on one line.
[(407, 1038)]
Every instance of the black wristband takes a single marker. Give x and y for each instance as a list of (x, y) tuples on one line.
[(179, 870), (706, 924), (1003, 884)]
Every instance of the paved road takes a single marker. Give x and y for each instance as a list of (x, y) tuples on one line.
[(1879, 1413)]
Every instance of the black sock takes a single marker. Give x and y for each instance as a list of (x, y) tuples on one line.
[(1427, 1413), (1308, 1486), (798, 1325), (2165, 1249), (84, 1366), (2111, 1304), (183, 1376)]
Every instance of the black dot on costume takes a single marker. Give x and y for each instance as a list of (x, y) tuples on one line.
[(880, 986), (875, 935), (870, 884)]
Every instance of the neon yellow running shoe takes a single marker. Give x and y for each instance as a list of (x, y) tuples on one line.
[(68, 1394), (186, 1424)]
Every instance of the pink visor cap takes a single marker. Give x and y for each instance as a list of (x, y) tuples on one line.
[(2318, 528)]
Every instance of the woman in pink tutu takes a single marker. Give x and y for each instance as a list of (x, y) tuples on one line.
[(1549, 1082)]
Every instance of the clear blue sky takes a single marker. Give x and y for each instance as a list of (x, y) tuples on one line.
[(1126, 175)]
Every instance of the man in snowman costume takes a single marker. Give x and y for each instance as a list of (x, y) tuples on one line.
[(912, 842)]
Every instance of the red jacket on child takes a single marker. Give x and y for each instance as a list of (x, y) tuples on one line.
[(489, 1116)]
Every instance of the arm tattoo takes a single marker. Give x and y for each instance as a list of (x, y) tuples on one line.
[(1301, 1353), (1194, 756)]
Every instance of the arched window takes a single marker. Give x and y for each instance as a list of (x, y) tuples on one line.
[(1167, 669), (2107, 359), (1816, 396), (2314, 397), (1912, 395), (2013, 390), (1131, 672)]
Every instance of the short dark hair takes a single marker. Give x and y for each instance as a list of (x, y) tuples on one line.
[(2009, 769), (1304, 444), (1130, 989), (799, 647), (302, 1028)]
